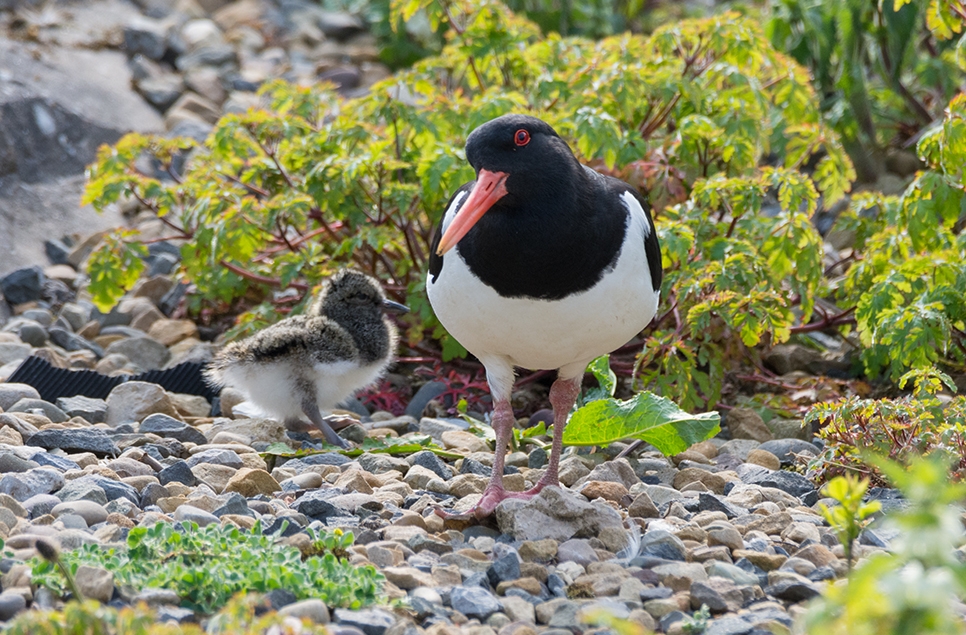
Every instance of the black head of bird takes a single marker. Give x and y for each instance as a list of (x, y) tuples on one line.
[(516, 157)]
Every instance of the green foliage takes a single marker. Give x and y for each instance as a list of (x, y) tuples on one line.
[(900, 429), (875, 65), (277, 197), (918, 586), (646, 416), (207, 566), (851, 515), (696, 624), (114, 267), (92, 618)]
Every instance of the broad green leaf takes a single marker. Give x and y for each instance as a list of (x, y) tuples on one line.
[(656, 420), (600, 368)]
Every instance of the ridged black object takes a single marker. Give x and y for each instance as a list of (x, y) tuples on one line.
[(53, 383)]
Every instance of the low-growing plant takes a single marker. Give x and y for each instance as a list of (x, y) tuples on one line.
[(901, 429), (851, 515), (243, 615), (918, 586), (207, 566)]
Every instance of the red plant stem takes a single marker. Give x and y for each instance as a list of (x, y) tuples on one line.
[(845, 317), (254, 277), (765, 380)]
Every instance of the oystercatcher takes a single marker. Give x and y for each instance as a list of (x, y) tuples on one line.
[(541, 263), (309, 363)]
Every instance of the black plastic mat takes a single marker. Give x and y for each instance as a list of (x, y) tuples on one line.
[(53, 383)]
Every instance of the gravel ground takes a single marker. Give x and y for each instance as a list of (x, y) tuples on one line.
[(648, 538)]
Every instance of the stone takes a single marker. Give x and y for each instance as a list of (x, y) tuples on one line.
[(407, 578), (134, 400), (817, 554), (720, 533), (719, 594), (474, 602), (554, 514), (745, 423), (92, 513), (49, 410), (166, 426), (659, 543), (712, 481), (576, 550), (456, 439), (790, 429), (92, 440), (679, 576), (785, 449), (145, 36), (643, 507), (11, 603), (603, 489), (432, 463), (170, 332), (616, 471), (503, 569), (764, 459), (144, 352), (87, 408), (313, 610), (13, 392), (95, 583), (518, 610), (177, 472), (193, 514), (249, 483), (23, 285), (787, 358), (792, 588), (14, 352), (369, 621), (790, 482), (538, 550), (22, 486)]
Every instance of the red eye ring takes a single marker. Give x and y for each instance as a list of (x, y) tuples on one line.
[(521, 137)]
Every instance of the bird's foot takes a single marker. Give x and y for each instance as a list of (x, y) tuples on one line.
[(492, 496)]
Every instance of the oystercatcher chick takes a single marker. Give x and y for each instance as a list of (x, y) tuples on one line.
[(307, 364), (541, 263)]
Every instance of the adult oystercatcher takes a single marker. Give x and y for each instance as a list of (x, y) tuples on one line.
[(309, 363), (541, 263)]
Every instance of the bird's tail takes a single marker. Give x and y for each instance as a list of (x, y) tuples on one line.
[(215, 373)]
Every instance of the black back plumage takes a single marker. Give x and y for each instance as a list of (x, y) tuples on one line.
[(558, 230)]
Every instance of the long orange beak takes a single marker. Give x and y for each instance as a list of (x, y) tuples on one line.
[(490, 187)]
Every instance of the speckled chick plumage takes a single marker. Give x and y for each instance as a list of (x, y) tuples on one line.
[(309, 363)]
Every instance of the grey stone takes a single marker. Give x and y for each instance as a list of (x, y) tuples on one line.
[(10, 462), (11, 352), (745, 423), (52, 460), (719, 594), (785, 448), (215, 456), (73, 342), (177, 472), (146, 37), (145, 352), (40, 504), (790, 482), (436, 427), (76, 315), (23, 485), (739, 447), (193, 514), (91, 512), (369, 621), (87, 408), (135, 400), (32, 333), (735, 574), (14, 392), (554, 514), (793, 589), (165, 426), (617, 471), (11, 603), (52, 412), (659, 543), (504, 569), (576, 550), (158, 597), (787, 358), (79, 489), (474, 602), (23, 285), (112, 489), (75, 440), (426, 393)]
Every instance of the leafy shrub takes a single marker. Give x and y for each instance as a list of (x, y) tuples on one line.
[(207, 566), (916, 588), (901, 429), (278, 197), (851, 515), (880, 72)]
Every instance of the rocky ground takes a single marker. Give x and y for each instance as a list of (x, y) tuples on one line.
[(77, 75), (646, 537)]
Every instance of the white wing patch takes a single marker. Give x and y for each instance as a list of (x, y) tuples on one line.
[(634, 207), (451, 211)]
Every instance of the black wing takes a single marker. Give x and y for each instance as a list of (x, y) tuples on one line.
[(436, 262), (652, 247)]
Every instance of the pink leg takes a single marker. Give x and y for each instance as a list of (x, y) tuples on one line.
[(563, 395)]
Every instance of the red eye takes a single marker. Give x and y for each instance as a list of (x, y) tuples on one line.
[(521, 137)]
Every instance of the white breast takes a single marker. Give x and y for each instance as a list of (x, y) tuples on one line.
[(548, 334)]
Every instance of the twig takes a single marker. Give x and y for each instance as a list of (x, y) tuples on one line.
[(254, 277)]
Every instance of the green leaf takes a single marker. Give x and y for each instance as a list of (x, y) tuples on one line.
[(600, 368), (656, 420)]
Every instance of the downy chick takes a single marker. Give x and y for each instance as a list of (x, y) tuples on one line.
[(309, 363)]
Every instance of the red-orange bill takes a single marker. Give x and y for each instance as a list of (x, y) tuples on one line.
[(490, 187)]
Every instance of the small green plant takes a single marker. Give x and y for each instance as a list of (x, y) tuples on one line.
[(851, 515), (917, 587), (92, 618), (207, 566), (900, 429), (697, 623)]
